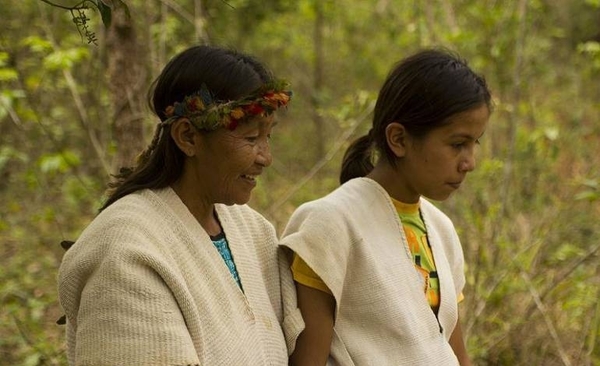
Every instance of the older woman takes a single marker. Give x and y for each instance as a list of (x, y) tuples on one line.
[(176, 269)]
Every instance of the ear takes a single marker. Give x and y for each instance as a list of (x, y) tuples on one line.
[(184, 134), (397, 138)]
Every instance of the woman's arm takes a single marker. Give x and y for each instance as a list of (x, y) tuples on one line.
[(458, 345), (314, 343)]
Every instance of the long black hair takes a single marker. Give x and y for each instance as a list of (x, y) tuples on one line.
[(228, 74), (421, 92)]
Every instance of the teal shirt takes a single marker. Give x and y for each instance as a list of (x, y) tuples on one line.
[(222, 246)]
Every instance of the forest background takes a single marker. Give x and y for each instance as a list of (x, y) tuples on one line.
[(72, 110)]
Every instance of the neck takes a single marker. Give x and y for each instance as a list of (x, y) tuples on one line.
[(203, 211), (394, 182)]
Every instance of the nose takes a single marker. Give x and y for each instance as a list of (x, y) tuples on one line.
[(264, 157), (467, 164)]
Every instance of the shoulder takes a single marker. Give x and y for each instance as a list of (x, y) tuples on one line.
[(136, 212), (243, 216), (342, 216), (134, 223), (358, 192)]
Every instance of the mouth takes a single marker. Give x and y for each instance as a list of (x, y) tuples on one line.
[(455, 185), (249, 177)]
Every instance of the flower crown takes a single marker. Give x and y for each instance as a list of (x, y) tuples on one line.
[(208, 113)]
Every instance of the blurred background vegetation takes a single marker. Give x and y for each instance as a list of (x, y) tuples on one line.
[(72, 110)]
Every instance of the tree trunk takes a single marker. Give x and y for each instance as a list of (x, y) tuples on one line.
[(127, 83)]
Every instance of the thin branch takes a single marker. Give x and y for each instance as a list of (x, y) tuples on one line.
[(450, 17), (79, 6), (28, 340), (430, 21), (200, 23), (549, 324), (318, 77), (594, 327), (531, 307), (228, 4), (184, 13), (563, 276), (56, 145), (84, 119), (512, 123), (482, 304), (11, 112), (180, 10)]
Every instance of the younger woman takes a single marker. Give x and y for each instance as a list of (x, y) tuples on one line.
[(378, 268)]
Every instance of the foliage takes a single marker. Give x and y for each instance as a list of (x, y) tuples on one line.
[(527, 217)]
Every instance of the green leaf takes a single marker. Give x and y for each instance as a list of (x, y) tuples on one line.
[(591, 183), (3, 58), (594, 3), (105, 12), (65, 59), (551, 133), (33, 359), (592, 48), (58, 163), (588, 196), (37, 44), (8, 74), (7, 153)]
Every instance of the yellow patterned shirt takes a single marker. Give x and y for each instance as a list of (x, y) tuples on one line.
[(416, 235)]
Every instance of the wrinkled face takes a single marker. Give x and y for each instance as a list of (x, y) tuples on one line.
[(229, 162), (439, 162)]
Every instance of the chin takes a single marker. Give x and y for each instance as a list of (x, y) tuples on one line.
[(236, 198), (241, 200), (438, 197)]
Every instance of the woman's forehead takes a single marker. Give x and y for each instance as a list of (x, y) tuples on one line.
[(471, 123), (258, 122)]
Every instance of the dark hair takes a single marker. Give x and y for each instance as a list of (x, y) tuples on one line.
[(228, 74), (421, 93)]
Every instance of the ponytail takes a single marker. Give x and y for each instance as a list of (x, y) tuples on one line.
[(357, 161)]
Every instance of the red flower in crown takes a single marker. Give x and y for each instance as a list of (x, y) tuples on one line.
[(270, 101), (276, 99), (208, 113), (195, 104), (232, 125), (254, 109)]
